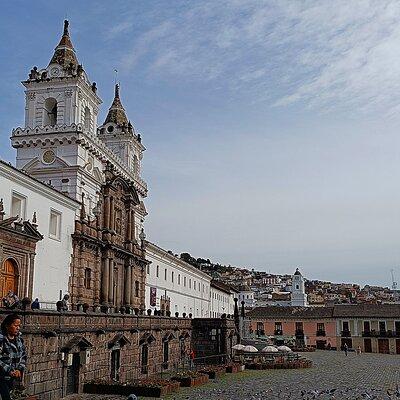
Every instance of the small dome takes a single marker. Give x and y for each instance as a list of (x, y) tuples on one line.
[(297, 272)]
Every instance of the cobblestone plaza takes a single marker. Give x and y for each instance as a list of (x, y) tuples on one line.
[(353, 377), (333, 376)]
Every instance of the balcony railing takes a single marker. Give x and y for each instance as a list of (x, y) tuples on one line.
[(278, 332), (381, 333), (321, 332), (346, 333)]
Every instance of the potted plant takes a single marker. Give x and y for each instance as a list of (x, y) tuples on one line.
[(190, 378)]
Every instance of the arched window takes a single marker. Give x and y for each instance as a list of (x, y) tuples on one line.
[(87, 118), (137, 288), (50, 112)]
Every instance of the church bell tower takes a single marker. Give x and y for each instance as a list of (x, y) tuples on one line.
[(60, 123)]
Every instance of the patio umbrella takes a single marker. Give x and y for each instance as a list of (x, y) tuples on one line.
[(269, 349), (238, 347), (285, 349), (250, 349)]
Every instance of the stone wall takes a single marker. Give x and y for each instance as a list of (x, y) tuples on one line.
[(213, 336), (67, 349)]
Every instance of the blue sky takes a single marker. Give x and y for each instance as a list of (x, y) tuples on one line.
[(271, 127)]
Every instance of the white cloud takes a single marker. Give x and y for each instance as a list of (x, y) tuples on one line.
[(326, 54)]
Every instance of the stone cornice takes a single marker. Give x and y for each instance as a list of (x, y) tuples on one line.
[(75, 133)]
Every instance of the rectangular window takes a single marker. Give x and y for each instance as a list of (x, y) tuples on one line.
[(190, 283), (321, 327), (346, 327), (18, 205), (299, 326), (260, 328), (194, 285), (184, 281), (179, 279), (55, 225), (165, 273), (172, 276), (88, 278), (157, 271), (367, 326), (382, 326), (278, 328), (397, 327), (148, 269)]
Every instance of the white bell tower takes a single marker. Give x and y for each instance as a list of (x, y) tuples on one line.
[(60, 122), (299, 297), (60, 143)]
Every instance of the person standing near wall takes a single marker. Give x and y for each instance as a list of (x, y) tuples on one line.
[(12, 354), (346, 349)]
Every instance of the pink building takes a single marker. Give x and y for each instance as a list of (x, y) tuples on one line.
[(312, 326)]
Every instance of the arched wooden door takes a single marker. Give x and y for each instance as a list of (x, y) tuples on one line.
[(8, 277)]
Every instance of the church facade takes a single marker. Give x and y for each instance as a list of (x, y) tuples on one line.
[(100, 167)]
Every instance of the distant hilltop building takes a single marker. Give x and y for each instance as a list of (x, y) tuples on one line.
[(299, 297)]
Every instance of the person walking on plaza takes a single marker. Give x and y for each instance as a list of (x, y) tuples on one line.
[(346, 349), (12, 355), (191, 358), (359, 350)]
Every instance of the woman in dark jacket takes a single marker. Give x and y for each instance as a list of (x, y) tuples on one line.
[(12, 354)]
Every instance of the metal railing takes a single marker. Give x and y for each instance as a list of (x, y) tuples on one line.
[(168, 369)]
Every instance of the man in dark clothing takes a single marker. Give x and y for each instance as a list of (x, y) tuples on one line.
[(35, 304)]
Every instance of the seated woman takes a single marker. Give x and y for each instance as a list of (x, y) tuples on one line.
[(12, 355)]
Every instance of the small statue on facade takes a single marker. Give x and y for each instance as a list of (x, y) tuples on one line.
[(34, 73), (43, 76), (70, 69), (79, 70), (94, 87)]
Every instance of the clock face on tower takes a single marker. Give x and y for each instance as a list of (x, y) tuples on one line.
[(55, 71)]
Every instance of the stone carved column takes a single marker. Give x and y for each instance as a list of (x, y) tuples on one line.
[(31, 274), (107, 212), (105, 279), (133, 225), (97, 276), (129, 229), (128, 285), (111, 281), (112, 214), (133, 280)]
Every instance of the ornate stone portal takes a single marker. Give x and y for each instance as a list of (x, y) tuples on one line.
[(17, 254), (108, 266)]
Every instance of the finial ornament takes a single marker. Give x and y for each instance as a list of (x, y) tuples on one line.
[(83, 211), (66, 25), (34, 218), (117, 90)]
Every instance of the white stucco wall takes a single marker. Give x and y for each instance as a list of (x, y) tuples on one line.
[(221, 303), (184, 298), (53, 256)]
